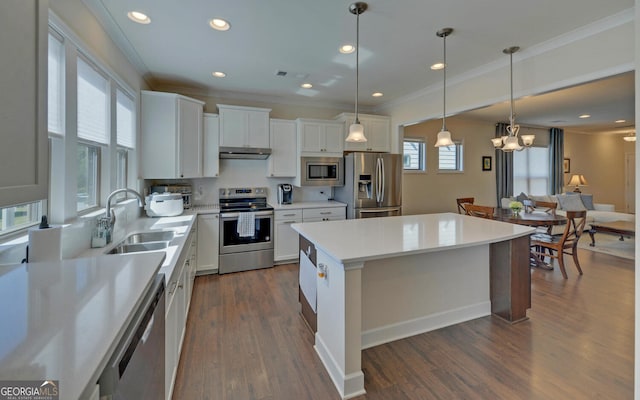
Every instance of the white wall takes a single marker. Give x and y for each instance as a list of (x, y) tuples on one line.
[(434, 191)]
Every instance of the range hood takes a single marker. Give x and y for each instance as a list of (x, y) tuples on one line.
[(245, 153)]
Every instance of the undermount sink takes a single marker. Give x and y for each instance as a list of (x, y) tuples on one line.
[(143, 241), (144, 237), (124, 247)]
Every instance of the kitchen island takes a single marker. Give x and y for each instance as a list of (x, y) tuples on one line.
[(383, 279)]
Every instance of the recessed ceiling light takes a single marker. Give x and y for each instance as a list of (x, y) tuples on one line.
[(583, 116), (437, 66), (138, 17), (219, 24), (619, 121), (377, 94), (347, 49), (219, 74), (306, 85)]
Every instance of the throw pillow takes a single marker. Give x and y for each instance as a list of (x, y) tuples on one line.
[(522, 197), (570, 203), (587, 200)]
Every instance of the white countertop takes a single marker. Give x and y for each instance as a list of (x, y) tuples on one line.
[(61, 320), (308, 204), (356, 240)]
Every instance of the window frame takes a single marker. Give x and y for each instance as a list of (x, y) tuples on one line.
[(97, 158), (459, 159), (422, 155), (528, 176)]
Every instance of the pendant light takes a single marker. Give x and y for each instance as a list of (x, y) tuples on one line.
[(510, 142), (356, 130), (444, 136)]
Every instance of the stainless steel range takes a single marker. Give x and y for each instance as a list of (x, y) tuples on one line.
[(246, 230)]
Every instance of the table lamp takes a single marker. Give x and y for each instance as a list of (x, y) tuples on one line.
[(577, 181)]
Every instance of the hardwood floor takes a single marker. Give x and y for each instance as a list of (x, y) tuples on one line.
[(246, 340)]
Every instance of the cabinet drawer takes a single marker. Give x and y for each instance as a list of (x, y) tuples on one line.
[(332, 213), (288, 215)]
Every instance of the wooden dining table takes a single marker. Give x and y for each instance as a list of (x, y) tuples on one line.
[(535, 219)]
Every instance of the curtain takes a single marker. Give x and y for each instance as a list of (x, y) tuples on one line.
[(556, 160), (504, 167)]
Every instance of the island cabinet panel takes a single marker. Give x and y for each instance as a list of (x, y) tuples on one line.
[(510, 279)]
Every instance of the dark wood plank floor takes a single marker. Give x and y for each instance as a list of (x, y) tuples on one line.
[(246, 340)]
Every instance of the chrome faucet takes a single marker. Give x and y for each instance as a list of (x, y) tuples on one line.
[(109, 220)]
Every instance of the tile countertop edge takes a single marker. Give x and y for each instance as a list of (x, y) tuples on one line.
[(315, 231)]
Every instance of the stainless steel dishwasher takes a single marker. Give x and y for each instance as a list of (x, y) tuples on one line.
[(136, 369)]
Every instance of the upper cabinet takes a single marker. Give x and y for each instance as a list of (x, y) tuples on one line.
[(320, 137), (283, 160), (171, 136), (211, 161), (377, 130), (244, 126), (23, 102)]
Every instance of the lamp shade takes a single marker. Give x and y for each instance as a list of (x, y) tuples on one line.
[(629, 138), (356, 134), (577, 180), (527, 140), (444, 139), (497, 142), (511, 144)]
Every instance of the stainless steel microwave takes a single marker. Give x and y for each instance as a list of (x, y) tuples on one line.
[(321, 171)]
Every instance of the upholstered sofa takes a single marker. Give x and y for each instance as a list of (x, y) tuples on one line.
[(596, 212)]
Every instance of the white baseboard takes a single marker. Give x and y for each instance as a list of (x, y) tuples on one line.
[(401, 330), (348, 386)]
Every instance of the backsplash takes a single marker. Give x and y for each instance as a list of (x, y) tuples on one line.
[(76, 236)]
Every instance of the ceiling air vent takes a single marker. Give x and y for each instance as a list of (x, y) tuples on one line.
[(281, 73)]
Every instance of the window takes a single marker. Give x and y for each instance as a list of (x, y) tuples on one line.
[(125, 136), (93, 131), (55, 100), (531, 171), (413, 154), (450, 158), (20, 216), (88, 170)]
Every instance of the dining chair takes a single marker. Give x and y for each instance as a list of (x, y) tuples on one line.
[(548, 207), (559, 245), (461, 202), (479, 211)]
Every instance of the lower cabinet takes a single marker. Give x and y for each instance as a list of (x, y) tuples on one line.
[(286, 239), (208, 247), (178, 299), (324, 214)]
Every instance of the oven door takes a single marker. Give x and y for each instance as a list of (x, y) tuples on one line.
[(232, 242)]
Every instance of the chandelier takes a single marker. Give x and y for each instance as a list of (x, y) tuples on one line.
[(510, 141)]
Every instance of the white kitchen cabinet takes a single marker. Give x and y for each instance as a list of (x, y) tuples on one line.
[(172, 311), (208, 243), (23, 105), (210, 150), (320, 137), (171, 136), (244, 126), (286, 239), (377, 130), (324, 214), (282, 140)]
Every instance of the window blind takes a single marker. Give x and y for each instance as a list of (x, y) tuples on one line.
[(125, 125), (55, 96), (92, 104)]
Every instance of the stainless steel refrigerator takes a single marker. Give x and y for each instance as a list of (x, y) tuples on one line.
[(372, 185)]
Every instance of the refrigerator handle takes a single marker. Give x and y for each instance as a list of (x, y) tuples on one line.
[(378, 180), (382, 173)]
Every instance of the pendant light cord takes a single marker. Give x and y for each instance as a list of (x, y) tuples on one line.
[(357, 61), (511, 120), (444, 88)]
